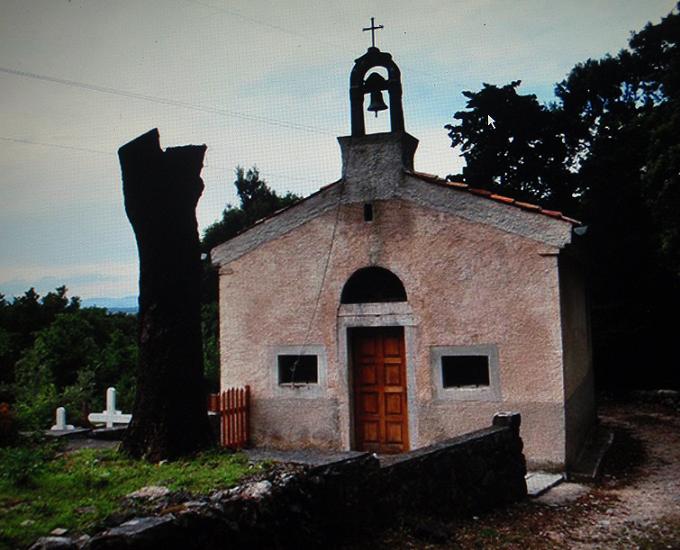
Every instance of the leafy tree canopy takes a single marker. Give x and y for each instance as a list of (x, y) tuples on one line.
[(607, 152), (53, 353), (257, 201), (522, 154)]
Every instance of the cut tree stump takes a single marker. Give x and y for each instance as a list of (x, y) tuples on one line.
[(161, 190)]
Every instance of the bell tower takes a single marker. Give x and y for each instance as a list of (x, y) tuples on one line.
[(375, 84), (376, 161)]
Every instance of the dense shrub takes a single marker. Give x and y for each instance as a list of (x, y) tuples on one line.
[(53, 353)]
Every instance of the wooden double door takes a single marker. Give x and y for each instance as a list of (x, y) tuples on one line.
[(379, 380)]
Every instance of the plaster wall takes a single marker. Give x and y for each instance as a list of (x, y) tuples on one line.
[(578, 371), (379, 167), (468, 284)]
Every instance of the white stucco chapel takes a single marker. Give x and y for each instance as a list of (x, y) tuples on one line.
[(393, 309)]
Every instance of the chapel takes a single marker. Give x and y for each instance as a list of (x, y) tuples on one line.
[(393, 309)]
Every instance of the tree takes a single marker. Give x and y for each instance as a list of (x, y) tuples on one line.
[(21, 321), (117, 363), (211, 340), (607, 153), (65, 347), (523, 153), (624, 115), (55, 354), (257, 201), (657, 49), (161, 190)]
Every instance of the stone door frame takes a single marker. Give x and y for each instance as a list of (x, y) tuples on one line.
[(382, 314)]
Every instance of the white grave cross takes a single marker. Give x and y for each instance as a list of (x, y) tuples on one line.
[(60, 421), (110, 416)]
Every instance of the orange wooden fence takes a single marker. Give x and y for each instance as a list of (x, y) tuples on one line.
[(233, 406)]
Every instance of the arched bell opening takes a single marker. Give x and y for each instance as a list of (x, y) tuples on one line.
[(374, 85), (371, 285)]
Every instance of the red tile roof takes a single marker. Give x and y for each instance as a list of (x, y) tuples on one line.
[(430, 178)]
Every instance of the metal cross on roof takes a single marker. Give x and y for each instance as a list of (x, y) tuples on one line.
[(373, 28)]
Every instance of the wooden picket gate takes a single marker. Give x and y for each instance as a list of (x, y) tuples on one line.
[(233, 407)]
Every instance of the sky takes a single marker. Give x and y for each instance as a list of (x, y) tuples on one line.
[(261, 83)]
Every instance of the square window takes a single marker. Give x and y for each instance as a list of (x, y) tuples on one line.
[(465, 371), (298, 369)]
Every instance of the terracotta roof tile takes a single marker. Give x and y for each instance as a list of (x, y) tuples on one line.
[(501, 198), (427, 175), (528, 206), (458, 184), (488, 194), (571, 220), (551, 213)]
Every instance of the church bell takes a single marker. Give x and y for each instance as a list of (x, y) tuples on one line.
[(377, 103)]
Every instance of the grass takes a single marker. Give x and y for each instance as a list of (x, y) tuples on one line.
[(42, 489)]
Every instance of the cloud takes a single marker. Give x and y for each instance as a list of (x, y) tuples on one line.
[(435, 155), (86, 281), (61, 214)]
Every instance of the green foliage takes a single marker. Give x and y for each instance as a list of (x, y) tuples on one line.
[(607, 153), (522, 155), (19, 321), (36, 396), (36, 411), (257, 201), (19, 465), (79, 490), (65, 347), (117, 363), (82, 396), (211, 355), (55, 354)]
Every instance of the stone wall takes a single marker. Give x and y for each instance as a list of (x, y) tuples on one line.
[(317, 506), (469, 473), (579, 384)]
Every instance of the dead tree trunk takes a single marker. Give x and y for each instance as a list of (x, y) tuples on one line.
[(161, 190)]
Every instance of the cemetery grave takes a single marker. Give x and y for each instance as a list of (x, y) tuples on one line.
[(110, 416)]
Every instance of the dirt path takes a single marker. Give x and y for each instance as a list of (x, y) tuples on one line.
[(636, 504), (643, 483)]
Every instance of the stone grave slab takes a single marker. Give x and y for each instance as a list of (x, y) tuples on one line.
[(540, 482)]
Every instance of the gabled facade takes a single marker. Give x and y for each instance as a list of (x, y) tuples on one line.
[(391, 309)]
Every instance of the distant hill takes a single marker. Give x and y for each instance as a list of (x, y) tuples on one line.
[(129, 310), (127, 304)]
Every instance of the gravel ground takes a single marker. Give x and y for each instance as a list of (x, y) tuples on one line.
[(636, 503)]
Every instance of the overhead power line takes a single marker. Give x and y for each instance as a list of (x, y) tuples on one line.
[(316, 40), (164, 101), (261, 23), (43, 144)]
